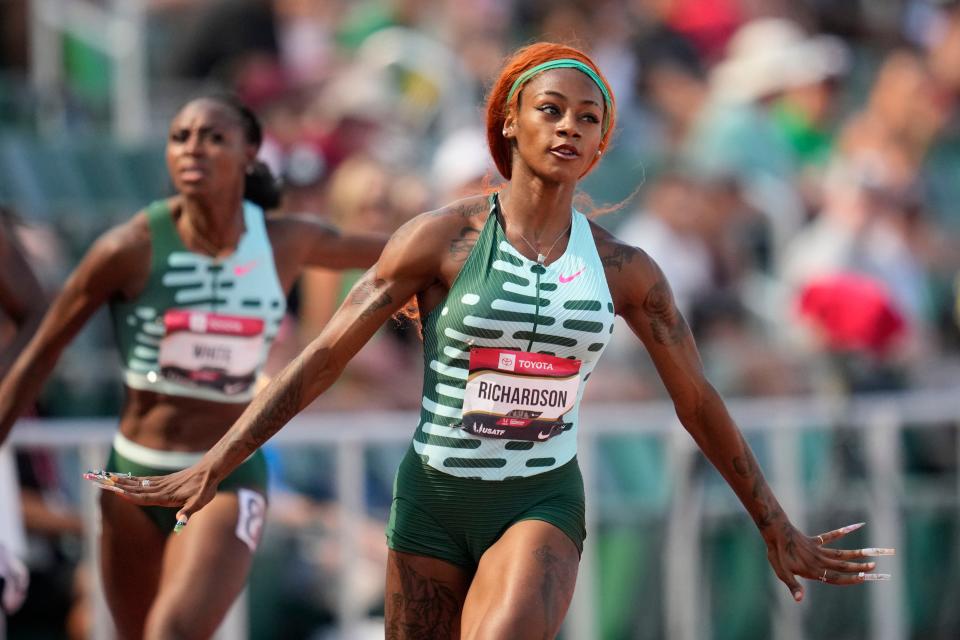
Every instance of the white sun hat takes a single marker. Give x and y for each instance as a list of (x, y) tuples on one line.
[(462, 157), (769, 55)]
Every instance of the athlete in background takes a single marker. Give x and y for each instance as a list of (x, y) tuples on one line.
[(196, 285)]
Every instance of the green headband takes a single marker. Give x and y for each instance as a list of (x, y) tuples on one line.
[(566, 63)]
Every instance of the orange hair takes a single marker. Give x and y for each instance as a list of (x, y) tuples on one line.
[(497, 108)]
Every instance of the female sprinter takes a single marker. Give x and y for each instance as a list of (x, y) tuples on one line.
[(196, 285), (518, 293)]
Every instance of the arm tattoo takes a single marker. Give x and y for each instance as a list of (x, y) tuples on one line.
[(471, 210), (365, 289), (747, 468), (464, 210), (621, 255), (384, 300), (423, 608), (461, 246), (666, 322), (273, 410)]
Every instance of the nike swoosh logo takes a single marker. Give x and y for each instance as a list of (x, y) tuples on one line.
[(543, 436), (243, 269), (565, 279)]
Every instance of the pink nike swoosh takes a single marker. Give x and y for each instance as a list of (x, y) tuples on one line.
[(243, 269), (565, 279)]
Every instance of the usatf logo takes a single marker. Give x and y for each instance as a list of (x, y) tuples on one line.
[(508, 361)]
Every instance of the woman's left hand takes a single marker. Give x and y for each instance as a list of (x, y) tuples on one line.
[(792, 554)]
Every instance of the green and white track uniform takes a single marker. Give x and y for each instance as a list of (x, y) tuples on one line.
[(455, 492), (503, 300), (202, 326)]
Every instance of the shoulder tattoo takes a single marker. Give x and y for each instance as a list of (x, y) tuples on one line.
[(466, 210), (473, 209), (461, 246), (620, 256)]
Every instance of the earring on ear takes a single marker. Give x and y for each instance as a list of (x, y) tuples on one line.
[(599, 152)]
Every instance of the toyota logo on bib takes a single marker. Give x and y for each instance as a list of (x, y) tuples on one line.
[(198, 322), (508, 361)]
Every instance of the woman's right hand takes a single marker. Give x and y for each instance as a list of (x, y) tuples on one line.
[(190, 489)]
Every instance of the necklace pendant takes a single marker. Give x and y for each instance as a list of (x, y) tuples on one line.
[(541, 258)]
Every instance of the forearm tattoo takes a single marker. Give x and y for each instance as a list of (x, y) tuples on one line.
[(423, 609), (666, 322), (462, 245), (273, 410), (766, 511)]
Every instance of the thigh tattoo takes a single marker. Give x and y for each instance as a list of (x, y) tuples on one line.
[(558, 581), (423, 609)]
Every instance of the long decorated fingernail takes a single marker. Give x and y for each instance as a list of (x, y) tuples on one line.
[(852, 527), (874, 577), (177, 528), (875, 551), (109, 487)]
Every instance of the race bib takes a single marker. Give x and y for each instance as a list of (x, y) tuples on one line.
[(253, 509), (515, 395), (208, 350)]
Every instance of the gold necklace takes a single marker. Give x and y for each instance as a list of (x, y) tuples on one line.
[(541, 258)]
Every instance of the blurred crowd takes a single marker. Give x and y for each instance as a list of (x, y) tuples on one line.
[(791, 166), (794, 168)]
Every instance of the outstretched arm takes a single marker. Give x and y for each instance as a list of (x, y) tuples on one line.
[(302, 240), (118, 258), (21, 297), (643, 298)]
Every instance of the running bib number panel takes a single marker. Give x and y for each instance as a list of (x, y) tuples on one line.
[(513, 395), (209, 350)]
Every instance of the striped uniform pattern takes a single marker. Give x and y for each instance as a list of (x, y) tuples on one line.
[(502, 299), (242, 284)]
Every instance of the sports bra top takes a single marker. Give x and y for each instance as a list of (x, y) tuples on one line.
[(506, 316), (202, 326)]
